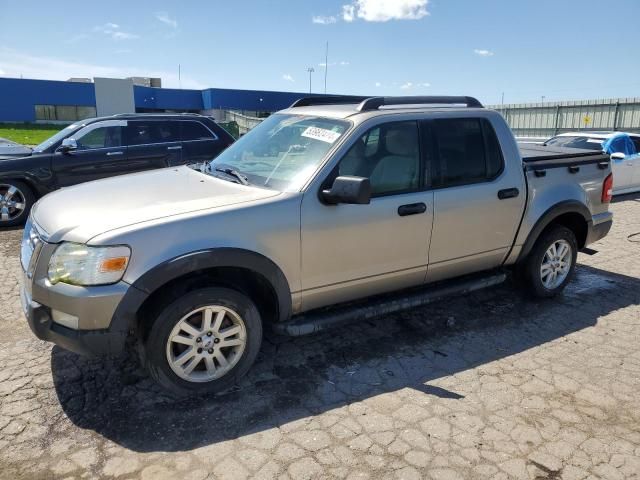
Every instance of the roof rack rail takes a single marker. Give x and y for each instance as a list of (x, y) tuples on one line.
[(374, 103), (156, 113), (327, 100)]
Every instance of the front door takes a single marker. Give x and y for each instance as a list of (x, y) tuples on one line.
[(354, 251), (478, 199), (101, 153)]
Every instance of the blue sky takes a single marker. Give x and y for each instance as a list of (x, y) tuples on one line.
[(559, 49)]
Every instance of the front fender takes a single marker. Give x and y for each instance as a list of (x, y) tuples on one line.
[(125, 314)]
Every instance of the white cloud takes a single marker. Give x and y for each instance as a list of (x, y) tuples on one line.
[(322, 20), (2, 72), (166, 19), (385, 10), (113, 30), (287, 77), (378, 84), (348, 13), (410, 85), (483, 53), (16, 64), (334, 64)]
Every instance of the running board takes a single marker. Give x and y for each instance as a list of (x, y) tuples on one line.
[(326, 318)]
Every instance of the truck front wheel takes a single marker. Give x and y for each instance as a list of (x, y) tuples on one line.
[(551, 263), (204, 341)]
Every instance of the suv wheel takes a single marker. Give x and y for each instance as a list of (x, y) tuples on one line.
[(16, 200), (551, 263), (204, 341)]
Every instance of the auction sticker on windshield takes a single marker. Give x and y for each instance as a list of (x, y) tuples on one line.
[(322, 134)]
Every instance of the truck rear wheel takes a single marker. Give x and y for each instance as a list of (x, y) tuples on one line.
[(204, 341), (551, 263)]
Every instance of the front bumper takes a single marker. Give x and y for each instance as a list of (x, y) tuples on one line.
[(91, 343)]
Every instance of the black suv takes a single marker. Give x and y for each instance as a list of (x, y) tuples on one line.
[(103, 147)]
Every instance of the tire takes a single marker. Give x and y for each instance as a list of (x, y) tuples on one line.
[(542, 283), (16, 200), (184, 320)]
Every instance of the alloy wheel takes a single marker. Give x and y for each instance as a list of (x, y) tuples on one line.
[(556, 264), (12, 202), (206, 343)]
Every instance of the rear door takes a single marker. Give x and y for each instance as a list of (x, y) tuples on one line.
[(478, 199), (199, 143), (101, 153), (154, 143)]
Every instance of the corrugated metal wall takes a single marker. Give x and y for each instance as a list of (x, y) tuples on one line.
[(550, 118)]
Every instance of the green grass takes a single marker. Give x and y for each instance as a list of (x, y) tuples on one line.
[(30, 134)]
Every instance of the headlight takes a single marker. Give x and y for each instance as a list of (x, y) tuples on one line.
[(79, 264)]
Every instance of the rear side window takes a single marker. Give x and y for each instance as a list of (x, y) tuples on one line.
[(468, 151), (143, 133), (195, 131)]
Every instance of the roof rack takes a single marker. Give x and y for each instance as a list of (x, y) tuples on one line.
[(159, 114), (328, 100), (373, 103), (376, 102)]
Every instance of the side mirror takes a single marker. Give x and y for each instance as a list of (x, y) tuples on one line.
[(68, 144), (618, 156), (347, 189)]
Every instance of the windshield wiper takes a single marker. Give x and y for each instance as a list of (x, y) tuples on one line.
[(234, 173)]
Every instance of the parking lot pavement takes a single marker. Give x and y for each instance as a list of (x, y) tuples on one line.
[(491, 385)]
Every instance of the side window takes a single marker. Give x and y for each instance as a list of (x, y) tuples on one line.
[(468, 150), (143, 133), (636, 142), (101, 137), (389, 155), (192, 130)]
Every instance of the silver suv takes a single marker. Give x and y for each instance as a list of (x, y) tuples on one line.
[(312, 219)]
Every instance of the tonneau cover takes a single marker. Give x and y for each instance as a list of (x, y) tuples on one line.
[(532, 152)]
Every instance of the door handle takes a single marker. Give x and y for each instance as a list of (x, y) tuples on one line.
[(411, 209), (508, 193), (177, 147), (111, 154)]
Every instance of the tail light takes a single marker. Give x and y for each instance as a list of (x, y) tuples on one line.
[(607, 188)]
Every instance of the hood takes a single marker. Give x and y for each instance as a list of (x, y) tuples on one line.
[(81, 212)]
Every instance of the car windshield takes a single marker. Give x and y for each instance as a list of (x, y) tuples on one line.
[(281, 153), (56, 138), (576, 142)]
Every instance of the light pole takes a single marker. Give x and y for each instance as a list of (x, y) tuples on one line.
[(310, 70)]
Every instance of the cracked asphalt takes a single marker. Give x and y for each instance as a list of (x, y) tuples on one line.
[(489, 385)]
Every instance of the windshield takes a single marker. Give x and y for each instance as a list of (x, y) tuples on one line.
[(281, 153), (576, 142), (56, 138)]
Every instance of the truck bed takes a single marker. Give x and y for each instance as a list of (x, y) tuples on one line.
[(540, 156)]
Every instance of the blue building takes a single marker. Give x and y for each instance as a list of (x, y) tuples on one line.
[(23, 100)]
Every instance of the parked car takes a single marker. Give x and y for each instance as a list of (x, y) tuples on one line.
[(103, 147), (303, 224), (624, 149), (9, 148)]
